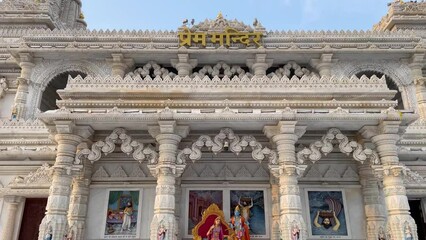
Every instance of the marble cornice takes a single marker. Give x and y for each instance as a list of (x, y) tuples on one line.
[(99, 106), (37, 40), (226, 115)]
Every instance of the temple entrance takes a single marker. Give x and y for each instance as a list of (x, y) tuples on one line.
[(34, 212), (417, 214)]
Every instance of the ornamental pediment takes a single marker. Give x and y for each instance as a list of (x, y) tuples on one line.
[(220, 32), (220, 24)]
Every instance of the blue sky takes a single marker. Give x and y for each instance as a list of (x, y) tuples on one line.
[(273, 14)]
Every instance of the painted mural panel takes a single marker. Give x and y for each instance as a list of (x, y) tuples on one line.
[(122, 221), (252, 207), (200, 200), (328, 215)]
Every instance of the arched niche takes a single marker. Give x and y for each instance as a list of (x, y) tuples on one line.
[(47, 70), (399, 73), (392, 85), (50, 95)]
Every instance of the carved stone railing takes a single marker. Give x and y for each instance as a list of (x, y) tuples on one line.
[(285, 84)]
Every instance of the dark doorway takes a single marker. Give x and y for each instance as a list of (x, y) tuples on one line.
[(34, 211), (49, 97), (417, 214)]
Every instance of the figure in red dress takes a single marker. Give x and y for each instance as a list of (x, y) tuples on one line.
[(215, 232)]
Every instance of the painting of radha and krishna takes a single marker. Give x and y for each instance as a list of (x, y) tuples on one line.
[(122, 220), (247, 215)]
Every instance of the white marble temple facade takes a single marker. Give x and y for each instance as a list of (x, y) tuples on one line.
[(85, 112)]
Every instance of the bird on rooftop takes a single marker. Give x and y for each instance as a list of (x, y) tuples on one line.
[(185, 21), (192, 21), (255, 22)]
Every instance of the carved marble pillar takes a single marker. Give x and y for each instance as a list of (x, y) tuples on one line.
[(416, 66), (421, 96), (275, 192), (285, 136), (119, 64), (184, 64), (27, 66), (399, 220), (259, 65), (373, 202), (78, 202), (324, 64), (9, 227), (178, 212), (67, 136), (168, 135)]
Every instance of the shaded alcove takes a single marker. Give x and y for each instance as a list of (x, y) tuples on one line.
[(49, 97), (389, 82)]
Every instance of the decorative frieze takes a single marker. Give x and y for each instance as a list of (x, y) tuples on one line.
[(292, 69), (139, 151), (327, 144), (242, 82), (219, 69), (145, 71), (120, 174), (41, 178), (227, 138)]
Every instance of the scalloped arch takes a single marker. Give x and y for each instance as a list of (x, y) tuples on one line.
[(399, 75), (47, 70)]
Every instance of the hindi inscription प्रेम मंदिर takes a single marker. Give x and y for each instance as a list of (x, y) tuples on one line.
[(230, 35)]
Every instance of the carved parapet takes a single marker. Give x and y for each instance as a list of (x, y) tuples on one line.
[(227, 139), (326, 146), (294, 83), (139, 151)]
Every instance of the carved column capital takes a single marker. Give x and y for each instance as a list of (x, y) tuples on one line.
[(120, 64), (288, 170), (69, 127), (324, 64), (416, 64), (184, 64), (168, 127), (259, 64), (13, 199), (284, 127)]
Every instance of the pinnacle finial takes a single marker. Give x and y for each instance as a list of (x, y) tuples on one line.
[(219, 16)]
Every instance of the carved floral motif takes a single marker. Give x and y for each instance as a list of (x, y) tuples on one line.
[(151, 69), (221, 68), (292, 69)]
